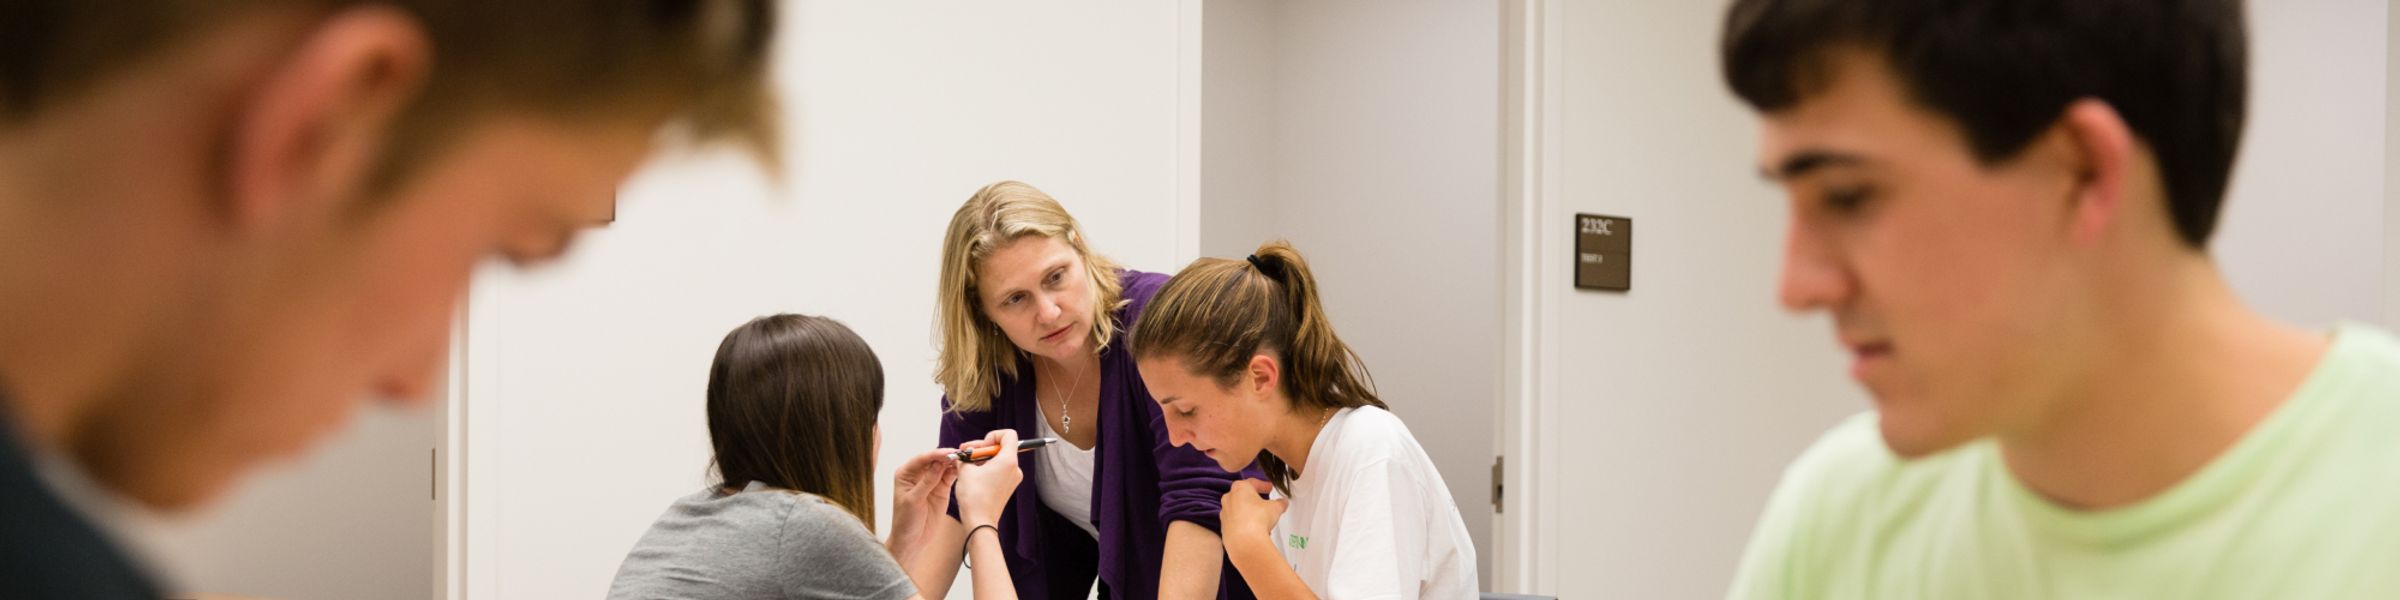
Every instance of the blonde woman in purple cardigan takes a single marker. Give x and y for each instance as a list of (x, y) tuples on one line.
[(1033, 339)]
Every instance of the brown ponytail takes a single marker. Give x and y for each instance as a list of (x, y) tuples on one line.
[(1218, 313)]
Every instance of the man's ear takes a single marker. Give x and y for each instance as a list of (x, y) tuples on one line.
[(316, 122), (2102, 148)]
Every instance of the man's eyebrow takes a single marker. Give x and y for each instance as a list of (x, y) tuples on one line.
[(1806, 161)]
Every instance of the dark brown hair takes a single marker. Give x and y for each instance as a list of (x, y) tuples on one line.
[(705, 60), (2005, 71), (792, 401), (1218, 313)]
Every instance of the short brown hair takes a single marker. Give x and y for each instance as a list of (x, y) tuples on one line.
[(703, 59), (792, 403)]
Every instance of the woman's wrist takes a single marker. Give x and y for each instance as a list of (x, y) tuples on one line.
[(971, 518), (974, 532), (1241, 548), (902, 536), (1230, 530), (905, 520)]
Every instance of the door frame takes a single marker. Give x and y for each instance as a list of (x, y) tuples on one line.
[(469, 475), (1525, 549)]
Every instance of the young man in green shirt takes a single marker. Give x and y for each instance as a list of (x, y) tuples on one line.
[(2004, 205)]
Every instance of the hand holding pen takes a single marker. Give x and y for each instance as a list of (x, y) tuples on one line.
[(987, 477), (983, 453)]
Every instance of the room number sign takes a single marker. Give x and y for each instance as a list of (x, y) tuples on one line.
[(1603, 252)]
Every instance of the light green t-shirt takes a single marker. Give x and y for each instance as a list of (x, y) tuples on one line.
[(2306, 505)]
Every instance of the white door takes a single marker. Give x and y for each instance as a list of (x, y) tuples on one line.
[(1655, 420), (354, 519)]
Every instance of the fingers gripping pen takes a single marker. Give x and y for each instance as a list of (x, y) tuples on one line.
[(988, 452)]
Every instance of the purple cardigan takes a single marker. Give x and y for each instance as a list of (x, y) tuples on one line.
[(1140, 481)]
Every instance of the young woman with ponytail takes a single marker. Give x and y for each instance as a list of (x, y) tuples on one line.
[(1245, 364)]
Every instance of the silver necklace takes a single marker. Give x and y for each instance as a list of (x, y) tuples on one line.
[(1066, 415), (1321, 421)]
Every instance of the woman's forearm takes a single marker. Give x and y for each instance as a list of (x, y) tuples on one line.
[(934, 566), (1262, 566), (1193, 564), (905, 539), (991, 573)]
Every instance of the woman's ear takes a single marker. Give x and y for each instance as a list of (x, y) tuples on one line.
[(1263, 375)]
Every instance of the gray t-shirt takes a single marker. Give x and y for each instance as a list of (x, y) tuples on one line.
[(760, 543)]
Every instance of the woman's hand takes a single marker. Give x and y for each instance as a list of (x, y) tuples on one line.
[(1248, 519), (984, 489), (920, 493), (1246, 513), (922, 486)]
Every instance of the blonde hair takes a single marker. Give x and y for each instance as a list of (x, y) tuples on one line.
[(975, 354), (1218, 313)]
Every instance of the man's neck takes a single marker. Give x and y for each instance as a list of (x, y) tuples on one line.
[(110, 206), (80, 283), (2181, 377)]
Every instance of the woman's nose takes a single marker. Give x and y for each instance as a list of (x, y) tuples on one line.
[(1177, 435), (1051, 310)]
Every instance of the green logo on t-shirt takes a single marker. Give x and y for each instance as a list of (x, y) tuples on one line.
[(1299, 543)]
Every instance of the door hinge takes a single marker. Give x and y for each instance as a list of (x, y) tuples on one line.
[(1499, 474)]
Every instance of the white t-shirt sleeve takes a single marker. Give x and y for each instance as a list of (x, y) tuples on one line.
[(1381, 549)]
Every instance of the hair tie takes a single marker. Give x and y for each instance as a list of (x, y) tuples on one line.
[(1271, 271)]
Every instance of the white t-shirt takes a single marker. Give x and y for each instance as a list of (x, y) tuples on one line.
[(1065, 480), (1371, 518)]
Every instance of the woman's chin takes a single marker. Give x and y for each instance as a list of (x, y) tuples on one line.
[(1063, 351), (1226, 462)]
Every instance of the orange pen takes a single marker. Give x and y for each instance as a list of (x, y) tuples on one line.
[(987, 452)]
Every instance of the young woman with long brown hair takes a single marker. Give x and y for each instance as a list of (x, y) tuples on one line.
[(792, 404)]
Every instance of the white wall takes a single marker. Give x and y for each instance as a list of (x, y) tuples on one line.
[(2302, 235), (2391, 165), (1367, 133), (595, 369), (1238, 126), (1685, 397)]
